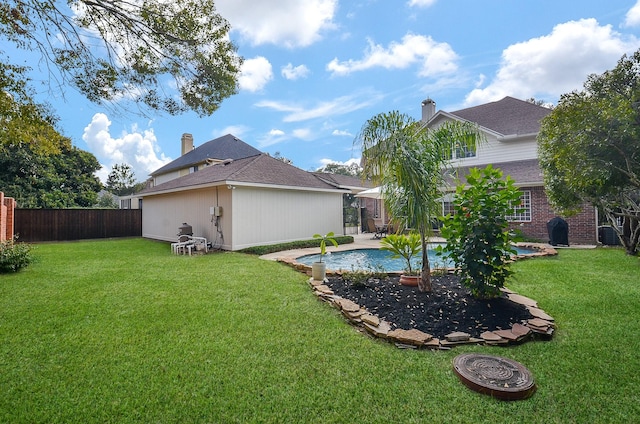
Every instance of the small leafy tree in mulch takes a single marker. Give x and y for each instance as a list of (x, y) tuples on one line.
[(14, 255), (477, 233)]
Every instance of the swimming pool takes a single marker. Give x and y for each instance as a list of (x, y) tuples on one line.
[(381, 260)]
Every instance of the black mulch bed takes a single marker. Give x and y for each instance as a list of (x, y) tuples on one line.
[(447, 308)]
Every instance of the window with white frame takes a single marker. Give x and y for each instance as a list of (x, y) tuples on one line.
[(522, 212)]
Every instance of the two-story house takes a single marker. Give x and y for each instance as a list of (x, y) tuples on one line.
[(510, 127)]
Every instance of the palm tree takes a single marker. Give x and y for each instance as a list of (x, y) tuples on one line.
[(407, 160)]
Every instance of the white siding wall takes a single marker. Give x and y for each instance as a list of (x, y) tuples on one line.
[(162, 215), (496, 151), (266, 216)]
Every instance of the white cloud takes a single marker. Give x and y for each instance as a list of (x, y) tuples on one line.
[(291, 23), (342, 133), (302, 133), (236, 130), (421, 3), (560, 62), (137, 148), (433, 58), (274, 136), (338, 106), (632, 18), (293, 73), (255, 74)]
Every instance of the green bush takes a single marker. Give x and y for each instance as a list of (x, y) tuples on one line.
[(477, 234), (300, 244), (14, 256)]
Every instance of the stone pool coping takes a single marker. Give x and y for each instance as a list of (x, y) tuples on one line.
[(290, 257)]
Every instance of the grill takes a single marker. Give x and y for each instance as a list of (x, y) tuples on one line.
[(184, 232), (558, 231)]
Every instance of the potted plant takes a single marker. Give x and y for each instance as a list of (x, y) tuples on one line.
[(405, 247), (319, 269)]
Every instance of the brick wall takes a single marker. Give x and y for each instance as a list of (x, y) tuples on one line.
[(582, 227), (7, 213)]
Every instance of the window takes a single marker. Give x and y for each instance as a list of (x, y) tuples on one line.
[(376, 208), (461, 150), (125, 203), (522, 212)]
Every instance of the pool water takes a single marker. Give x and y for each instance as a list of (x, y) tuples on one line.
[(379, 260)]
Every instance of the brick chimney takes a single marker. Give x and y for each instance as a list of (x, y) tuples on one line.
[(187, 143), (428, 109)]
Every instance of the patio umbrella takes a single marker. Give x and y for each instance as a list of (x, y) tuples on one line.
[(372, 193)]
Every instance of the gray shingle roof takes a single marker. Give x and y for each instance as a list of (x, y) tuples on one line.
[(221, 148), (508, 116), (341, 181), (260, 170)]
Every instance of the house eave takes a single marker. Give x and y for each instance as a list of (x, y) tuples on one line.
[(515, 137)]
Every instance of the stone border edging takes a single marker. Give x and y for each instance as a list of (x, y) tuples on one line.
[(542, 325)]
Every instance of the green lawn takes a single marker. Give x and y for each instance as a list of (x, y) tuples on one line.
[(122, 331)]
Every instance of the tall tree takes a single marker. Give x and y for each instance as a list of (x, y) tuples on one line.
[(37, 180), (38, 166), (590, 149), (407, 160), (121, 181), (22, 121), (110, 49)]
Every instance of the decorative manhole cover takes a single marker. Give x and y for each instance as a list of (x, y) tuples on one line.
[(499, 377)]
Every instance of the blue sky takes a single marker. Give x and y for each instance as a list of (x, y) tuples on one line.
[(316, 70)]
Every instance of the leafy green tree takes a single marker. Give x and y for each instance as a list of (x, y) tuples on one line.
[(106, 200), (407, 160), (22, 121), (121, 181), (590, 149), (36, 180), (110, 49), (353, 170), (477, 234), (38, 166)]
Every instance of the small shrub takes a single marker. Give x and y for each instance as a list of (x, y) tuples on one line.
[(404, 246), (14, 256), (300, 244), (477, 234), (357, 278)]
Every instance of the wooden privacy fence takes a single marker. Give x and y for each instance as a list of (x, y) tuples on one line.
[(76, 224)]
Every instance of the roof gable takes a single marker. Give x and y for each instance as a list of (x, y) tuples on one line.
[(508, 116), (221, 148), (256, 170)]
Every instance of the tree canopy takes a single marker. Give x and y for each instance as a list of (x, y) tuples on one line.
[(22, 121), (138, 50), (121, 181), (38, 166), (35, 180), (407, 160), (590, 149)]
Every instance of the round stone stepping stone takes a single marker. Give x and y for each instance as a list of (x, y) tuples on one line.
[(495, 376)]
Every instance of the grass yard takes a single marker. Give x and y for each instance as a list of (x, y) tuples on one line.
[(122, 331)]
